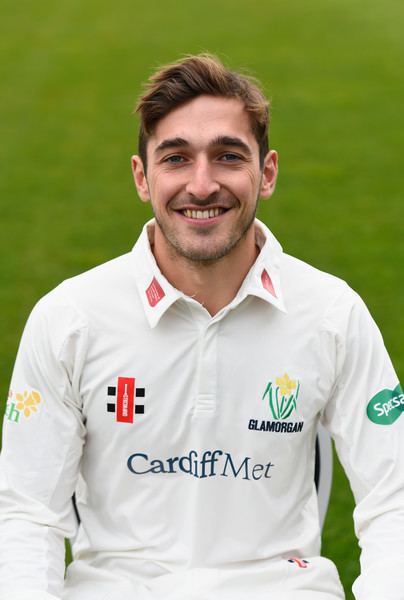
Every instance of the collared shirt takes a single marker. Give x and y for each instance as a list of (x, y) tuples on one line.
[(188, 439)]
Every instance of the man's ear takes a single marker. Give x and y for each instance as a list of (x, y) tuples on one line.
[(269, 174), (139, 175)]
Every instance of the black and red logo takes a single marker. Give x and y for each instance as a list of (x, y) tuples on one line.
[(300, 562), (125, 407)]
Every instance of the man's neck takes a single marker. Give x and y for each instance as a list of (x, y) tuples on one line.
[(215, 284)]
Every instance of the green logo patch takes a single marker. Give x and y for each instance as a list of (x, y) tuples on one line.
[(386, 406)]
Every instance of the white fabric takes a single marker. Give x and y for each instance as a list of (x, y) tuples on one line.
[(209, 492), (30, 595)]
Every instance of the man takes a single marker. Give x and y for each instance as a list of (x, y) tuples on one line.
[(177, 389)]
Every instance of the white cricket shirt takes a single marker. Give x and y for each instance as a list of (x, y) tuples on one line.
[(188, 439)]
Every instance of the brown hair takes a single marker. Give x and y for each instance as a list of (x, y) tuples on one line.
[(195, 75)]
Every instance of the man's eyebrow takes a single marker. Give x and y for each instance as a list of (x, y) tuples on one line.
[(226, 140), (176, 142), (220, 140)]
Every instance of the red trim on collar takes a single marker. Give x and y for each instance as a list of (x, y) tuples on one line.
[(267, 283), (154, 292)]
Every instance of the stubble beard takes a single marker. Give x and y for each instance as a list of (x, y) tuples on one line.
[(205, 256)]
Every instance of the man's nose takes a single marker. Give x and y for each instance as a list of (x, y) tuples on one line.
[(202, 182)]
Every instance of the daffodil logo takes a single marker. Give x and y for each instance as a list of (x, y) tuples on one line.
[(282, 397), (25, 403)]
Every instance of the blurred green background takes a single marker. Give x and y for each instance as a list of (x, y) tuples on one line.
[(70, 72)]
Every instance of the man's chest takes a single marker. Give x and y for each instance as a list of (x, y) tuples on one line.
[(241, 380)]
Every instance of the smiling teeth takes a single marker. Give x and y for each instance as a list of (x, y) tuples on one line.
[(203, 214)]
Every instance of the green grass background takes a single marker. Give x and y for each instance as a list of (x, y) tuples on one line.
[(70, 72)]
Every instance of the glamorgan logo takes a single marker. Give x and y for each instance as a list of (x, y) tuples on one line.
[(282, 401), (216, 463), (282, 397), (275, 426), (125, 393), (22, 405), (386, 406)]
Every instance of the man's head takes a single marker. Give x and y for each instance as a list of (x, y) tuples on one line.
[(203, 74), (204, 139)]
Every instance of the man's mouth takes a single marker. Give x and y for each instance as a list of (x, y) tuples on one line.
[(203, 214)]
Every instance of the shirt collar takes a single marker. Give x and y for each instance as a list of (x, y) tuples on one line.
[(155, 291), (264, 278), (157, 294)]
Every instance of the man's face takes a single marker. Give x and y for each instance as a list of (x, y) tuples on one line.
[(204, 179)]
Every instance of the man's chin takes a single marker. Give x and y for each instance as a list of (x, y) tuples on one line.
[(202, 254)]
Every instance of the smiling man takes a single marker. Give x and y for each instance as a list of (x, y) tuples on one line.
[(176, 391), (204, 178)]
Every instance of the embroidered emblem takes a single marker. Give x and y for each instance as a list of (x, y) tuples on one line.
[(154, 292), (125, 393), (282, 398)]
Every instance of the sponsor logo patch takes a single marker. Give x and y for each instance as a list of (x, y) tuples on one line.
[(201, 465), (22, 405), (386, 406), (124, 393)]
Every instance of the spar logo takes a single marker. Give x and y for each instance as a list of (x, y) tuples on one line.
[(282, 397), (386, 407), (125, 392)]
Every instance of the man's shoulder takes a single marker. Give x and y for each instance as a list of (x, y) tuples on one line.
[(118, 270), (91, 301), (305, 283), (98, 286), (298, 278), (304, 273)]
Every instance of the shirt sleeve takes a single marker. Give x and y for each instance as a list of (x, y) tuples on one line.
[(43, 435), (364, 416)]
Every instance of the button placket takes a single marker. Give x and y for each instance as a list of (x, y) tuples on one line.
[(206, 387)]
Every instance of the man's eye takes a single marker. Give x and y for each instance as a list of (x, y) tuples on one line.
[(230, 157), (174, 159)]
